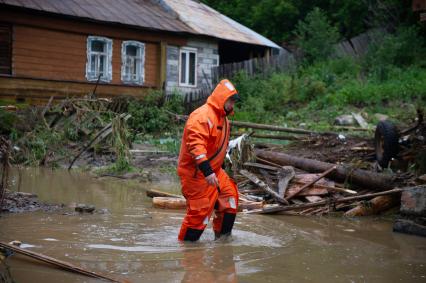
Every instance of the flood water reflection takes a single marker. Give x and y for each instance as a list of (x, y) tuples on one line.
[(139, 243)]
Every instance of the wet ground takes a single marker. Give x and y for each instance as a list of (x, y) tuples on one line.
[(136, 242)]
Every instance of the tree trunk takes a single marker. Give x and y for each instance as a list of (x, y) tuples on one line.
[(169, 202), (362, 178), (374, 206), (277, 128)]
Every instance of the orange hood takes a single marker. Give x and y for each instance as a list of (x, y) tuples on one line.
[(221, 93)]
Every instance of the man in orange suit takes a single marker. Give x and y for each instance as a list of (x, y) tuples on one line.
[(205, 185)]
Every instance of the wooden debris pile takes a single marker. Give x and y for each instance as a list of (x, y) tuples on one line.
[(300, 186), (63, 131)]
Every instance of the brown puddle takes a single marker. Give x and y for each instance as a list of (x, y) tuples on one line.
[(136, 242)]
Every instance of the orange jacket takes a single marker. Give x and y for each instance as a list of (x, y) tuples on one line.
[(206, 134)]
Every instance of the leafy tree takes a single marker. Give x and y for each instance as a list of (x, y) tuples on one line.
[(316, 36)]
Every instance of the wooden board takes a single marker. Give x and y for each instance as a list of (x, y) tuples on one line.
[(311, 191)]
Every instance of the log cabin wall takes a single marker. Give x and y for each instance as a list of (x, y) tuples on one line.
[(49, 57)]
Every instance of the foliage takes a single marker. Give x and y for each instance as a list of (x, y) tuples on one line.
[(403, 48), (150, 114), (120, 143), (316, 94), (7, 121), (277, 19), (315, 36)]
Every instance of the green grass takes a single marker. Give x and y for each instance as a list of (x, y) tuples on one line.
[(316, 94)]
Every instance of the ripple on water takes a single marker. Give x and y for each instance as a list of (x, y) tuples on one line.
[(165, 240)]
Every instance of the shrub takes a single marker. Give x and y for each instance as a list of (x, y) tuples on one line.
[(149, 115), (403, 48), (315, 36)]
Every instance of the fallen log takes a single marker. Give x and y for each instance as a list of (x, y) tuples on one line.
[(263, 186), (374, 206), (261, 126), (169, 202), (156, 193), (363, 178), (280, 208), (244, 206), (277, 128), (272, 137), (61, 264)]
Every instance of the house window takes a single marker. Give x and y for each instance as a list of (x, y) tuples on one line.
[(133, 60), (99, 57), (5, 49), (188, 67)]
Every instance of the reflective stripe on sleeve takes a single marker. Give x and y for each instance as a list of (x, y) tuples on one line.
[(200, 156)]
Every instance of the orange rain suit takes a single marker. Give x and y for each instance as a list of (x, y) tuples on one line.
[(204, 143)]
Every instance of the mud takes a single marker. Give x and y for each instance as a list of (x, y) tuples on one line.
[(18, 202)]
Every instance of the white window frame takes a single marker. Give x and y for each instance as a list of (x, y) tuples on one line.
[(187, 50), (93, 75), (140, 69)]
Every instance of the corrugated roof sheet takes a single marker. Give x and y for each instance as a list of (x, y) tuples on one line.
[(185, 16), (208, 21), (140, 13)]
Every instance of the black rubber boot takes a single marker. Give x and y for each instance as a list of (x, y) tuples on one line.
[(227, 224), (192, 235)]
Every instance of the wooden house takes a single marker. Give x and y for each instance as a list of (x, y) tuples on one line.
[(123, 47)]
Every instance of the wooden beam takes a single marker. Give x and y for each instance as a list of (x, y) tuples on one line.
[(61, 264), (163, 65)]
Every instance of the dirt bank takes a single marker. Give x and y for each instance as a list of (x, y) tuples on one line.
[(16, 202)]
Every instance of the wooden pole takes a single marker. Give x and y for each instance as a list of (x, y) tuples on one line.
[(58, 263), (272, 137), (277, 128)]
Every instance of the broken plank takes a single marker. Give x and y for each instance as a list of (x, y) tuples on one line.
[(262, 185), (322, 175), (313, 198), (285, 175), (260, 166)]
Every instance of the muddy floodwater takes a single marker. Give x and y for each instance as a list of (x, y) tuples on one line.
[(137, 242)]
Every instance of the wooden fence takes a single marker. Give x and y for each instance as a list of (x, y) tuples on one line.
[(285, 61), (256, 66), (192, 100)]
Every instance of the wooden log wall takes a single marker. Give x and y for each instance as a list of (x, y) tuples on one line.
[(49, 57)]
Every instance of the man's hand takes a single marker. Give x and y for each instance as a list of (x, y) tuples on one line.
[(212, 180)]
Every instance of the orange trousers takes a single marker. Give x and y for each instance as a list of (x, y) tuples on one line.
[(202, 199)]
